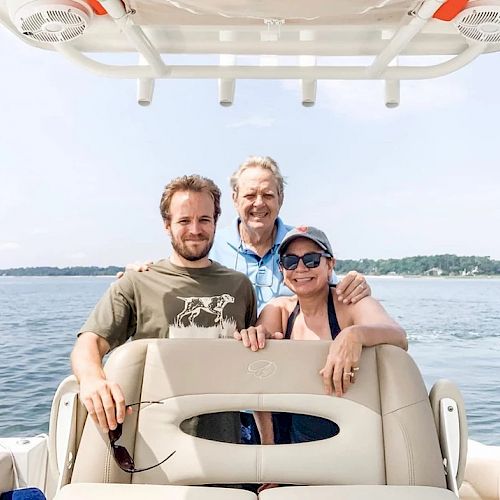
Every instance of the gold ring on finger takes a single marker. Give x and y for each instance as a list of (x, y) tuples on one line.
[(349, 374), (355, 368)]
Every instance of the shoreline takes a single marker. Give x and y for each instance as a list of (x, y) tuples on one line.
[(367, 276), (58, 276), (424, 276)]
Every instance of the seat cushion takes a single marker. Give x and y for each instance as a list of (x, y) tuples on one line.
[(375, 492), (84, 491)]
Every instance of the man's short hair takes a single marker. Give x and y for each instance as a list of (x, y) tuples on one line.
[(265, 162), (194, 183)]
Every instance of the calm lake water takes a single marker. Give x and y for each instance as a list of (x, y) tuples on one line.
[(453, 327)]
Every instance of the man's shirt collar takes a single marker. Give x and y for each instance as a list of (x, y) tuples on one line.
[(234, 238)]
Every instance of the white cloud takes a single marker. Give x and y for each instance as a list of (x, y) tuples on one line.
[(254, 121), (9, 245)]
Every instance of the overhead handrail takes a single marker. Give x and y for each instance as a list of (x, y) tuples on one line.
[(135, 34), (274, 72), (404, 36)]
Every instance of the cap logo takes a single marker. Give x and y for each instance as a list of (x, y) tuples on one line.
[(302, 229)]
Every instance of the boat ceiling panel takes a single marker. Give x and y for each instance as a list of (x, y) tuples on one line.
[(334, 28), (246, 13)]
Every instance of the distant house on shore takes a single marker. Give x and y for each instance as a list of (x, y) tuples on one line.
[(472, 272), (434, 271)]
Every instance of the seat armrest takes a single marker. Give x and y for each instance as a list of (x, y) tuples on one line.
[(64, 433), (451, 424)]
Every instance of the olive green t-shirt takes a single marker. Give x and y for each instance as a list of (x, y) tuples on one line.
[(169, 301)]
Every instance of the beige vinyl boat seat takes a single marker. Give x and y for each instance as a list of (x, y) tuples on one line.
[(387, 446), (7, 481)]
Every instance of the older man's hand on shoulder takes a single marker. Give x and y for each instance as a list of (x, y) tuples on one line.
[(352, 288)]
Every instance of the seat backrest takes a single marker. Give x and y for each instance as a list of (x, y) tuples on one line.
[(387, 432)]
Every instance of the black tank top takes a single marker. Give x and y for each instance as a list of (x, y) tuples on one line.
[(293, 428), (332, 317)]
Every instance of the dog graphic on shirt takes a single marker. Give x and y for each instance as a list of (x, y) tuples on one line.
[(215, 305)]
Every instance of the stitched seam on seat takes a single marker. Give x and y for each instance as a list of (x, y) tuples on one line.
[(140, 399), (258, 469), (107, 466), (409, 453), (259, 454), (403, 407), (381, 414)]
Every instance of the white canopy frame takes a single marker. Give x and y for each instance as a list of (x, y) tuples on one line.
[(417, 33), (274, 72)]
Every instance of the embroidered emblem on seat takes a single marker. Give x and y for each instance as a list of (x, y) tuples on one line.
[(262, 368)]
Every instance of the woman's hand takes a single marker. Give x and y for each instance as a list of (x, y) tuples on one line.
[(352, 288), (342, 362), (255, 337)]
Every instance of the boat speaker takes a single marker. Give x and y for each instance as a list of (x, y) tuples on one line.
[(480, 21), (51, 21)]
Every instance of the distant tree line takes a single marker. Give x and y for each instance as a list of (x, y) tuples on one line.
[(62, 271), (434, 265)]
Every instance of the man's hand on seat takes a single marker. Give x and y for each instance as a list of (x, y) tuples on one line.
[(135, 266), (103, 398), (352, 288), (255, 337), (104, 401)]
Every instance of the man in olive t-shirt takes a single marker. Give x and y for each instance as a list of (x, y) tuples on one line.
[(184, 295)]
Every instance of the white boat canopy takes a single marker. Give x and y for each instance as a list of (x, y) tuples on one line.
[(310, 32)]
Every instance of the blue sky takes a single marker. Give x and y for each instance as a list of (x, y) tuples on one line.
[(83, 166)]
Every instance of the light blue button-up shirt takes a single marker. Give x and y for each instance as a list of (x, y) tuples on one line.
[(263, 272)]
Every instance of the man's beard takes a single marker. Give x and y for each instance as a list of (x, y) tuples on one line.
[(192, 255)]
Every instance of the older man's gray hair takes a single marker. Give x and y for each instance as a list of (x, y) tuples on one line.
[(264, 162)]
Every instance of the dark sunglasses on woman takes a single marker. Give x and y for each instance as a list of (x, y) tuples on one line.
[(310, 260), (121, 454)]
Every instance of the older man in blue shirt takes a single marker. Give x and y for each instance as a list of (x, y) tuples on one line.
[(250, 244)]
